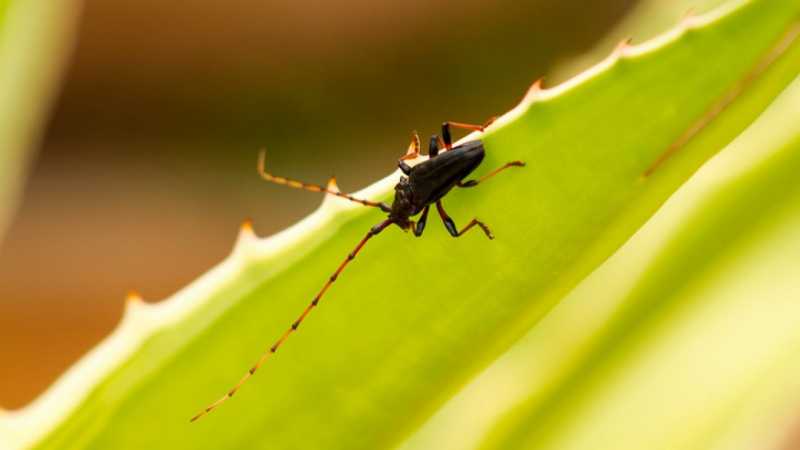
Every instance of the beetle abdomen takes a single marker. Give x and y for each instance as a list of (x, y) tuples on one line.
[(432, 179)]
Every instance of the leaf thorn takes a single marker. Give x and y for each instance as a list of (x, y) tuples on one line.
[(623, 46), (332, 186), (533, 91), (133, 297)]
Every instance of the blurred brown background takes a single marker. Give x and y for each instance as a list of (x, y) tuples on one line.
[(148, 164)]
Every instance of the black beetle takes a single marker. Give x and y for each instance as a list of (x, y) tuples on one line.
[(424, 184)]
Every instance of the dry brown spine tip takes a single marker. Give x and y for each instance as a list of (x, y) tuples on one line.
[(623, 45), (133, 297), (332, 186), (535, 88), (246, 232)]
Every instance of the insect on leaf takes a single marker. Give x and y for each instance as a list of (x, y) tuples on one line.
[(413, 320)]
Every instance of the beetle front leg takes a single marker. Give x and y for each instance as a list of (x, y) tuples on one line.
[(420, 226), (451, 226), (411, 153), (472, 183)]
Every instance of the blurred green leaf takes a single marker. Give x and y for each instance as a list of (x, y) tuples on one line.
[(35, 40), (413, 320)]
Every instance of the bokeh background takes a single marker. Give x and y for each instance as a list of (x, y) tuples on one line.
[(147, 166)]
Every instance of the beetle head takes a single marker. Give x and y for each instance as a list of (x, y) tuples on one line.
[(402, 206)]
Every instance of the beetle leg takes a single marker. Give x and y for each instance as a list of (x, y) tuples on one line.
[(472, 183), (448, 140), (451, 226), (420, 226), (433, 146), (477, 222), (411, 153), (442, 143), (413, 148)]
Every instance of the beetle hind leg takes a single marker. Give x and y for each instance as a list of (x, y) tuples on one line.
[(473, 183), (434, 146), (447, 139), (451, 226)]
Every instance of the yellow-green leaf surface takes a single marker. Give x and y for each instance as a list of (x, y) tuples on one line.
[(413, 320), (35, 38)]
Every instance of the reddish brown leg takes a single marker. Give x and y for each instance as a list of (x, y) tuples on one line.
[(448, 140), (451, 226), (411, 153), (372, 232), (442, 144), (471, 183), (312, 187), (477, 222), (413, 148)]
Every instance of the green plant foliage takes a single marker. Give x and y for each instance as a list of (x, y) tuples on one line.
[(413, 320), (35, 38)]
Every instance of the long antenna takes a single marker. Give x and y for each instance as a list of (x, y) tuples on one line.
[(311, 186), (372, 232)]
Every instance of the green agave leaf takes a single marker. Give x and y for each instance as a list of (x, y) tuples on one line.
[(35, 38), (413, 320)]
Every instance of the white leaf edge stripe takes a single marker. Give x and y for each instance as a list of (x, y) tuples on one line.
[(25, 427)]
